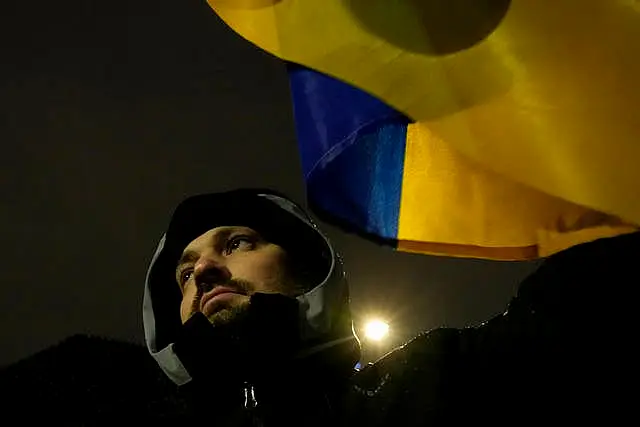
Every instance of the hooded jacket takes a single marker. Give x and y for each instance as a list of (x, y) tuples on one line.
[(291, 361), (314, 332)]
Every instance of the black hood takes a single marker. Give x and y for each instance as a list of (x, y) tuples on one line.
[(324, 319)]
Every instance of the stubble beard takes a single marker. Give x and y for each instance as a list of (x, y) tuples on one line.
[(229, 315), (234, 313)]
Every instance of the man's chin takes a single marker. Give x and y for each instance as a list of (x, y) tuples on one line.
[(229, 314)]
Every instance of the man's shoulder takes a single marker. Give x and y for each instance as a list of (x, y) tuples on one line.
[(412, 381), (434, 345)]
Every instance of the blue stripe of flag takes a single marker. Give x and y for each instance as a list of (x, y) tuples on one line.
[(352, 151)]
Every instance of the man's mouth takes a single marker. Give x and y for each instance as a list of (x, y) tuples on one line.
[(217, 295)]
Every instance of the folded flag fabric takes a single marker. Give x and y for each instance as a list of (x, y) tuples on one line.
[(507, 140), (371, 170)]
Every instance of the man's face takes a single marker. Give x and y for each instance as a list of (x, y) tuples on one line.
[(220, 269)]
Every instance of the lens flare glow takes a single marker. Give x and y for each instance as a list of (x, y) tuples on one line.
[(376, 329)]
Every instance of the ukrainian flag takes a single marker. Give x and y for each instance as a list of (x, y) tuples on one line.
[(502, 129)]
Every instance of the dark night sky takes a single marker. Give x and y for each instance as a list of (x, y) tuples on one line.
[(111, 112)]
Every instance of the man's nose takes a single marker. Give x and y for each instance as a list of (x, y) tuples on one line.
[(208, 272)]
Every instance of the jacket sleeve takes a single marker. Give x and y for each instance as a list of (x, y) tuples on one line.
[(562, 351), (563, 347)]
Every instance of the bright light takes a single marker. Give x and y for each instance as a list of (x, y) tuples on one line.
[(376, 330)]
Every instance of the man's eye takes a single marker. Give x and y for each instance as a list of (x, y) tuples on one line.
[(239, 242), (185, 276)]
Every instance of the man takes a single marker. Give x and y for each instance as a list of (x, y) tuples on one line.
[(246, 308)]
